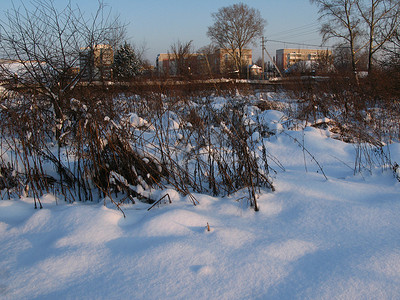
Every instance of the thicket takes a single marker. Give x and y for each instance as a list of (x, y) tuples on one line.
[(125, 145), (364, 112), (122, 146)]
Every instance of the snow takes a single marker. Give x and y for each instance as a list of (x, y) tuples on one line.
[(136, 121), (312, 238)]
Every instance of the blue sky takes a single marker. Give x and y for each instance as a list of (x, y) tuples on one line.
[(157, 24)]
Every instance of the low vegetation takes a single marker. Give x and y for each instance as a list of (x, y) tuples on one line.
[(125, 145)]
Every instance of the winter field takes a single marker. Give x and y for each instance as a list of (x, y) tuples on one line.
[(329, 230)]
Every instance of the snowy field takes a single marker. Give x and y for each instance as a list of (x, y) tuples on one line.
[(312, 238)]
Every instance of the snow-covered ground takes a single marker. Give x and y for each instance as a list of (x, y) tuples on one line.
[(312, 238)]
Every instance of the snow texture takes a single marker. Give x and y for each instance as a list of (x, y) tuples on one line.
[(312, 238)]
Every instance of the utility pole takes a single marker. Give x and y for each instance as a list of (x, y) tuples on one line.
[(276, 67), (262, 51)]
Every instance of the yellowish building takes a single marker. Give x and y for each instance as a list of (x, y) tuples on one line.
[(286, 58), (221, 61), (96, 62)]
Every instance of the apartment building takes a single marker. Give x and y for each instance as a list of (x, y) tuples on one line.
[(220, 62), (223, 61), (286, 58), (96, 62), (170, 64)]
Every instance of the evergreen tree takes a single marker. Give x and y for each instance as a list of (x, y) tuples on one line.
[(126, 62)]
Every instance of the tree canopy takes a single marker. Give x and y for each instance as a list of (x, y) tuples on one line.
[(235, 27)]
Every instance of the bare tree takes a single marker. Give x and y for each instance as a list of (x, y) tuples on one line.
[(45, 42), (341, 22), (359, 24), (393, 47), (234, 28), (43, 47), (342, 59), (206, 53), (391, 57), (381, 19), (181, 54)]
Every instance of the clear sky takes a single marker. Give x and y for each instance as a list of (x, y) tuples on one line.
[(156, 24)]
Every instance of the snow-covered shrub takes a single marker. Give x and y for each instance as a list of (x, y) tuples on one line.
[(396, 171), (119, 157), (8, 176), (125, 146)]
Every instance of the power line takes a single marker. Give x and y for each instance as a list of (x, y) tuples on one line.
[(306, 44), (298, 34), (299, 43), (300, 28)]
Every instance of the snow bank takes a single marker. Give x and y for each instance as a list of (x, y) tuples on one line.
[(312, 238)]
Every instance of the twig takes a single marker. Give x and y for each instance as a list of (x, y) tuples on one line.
[(308, 152), (159, 201)]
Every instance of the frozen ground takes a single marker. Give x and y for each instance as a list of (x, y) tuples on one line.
[(312, 238)]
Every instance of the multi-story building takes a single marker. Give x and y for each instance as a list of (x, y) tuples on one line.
[(286, 58), (223, 60), (163, 63), (171, 64), (220, 62), (96, 62)]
